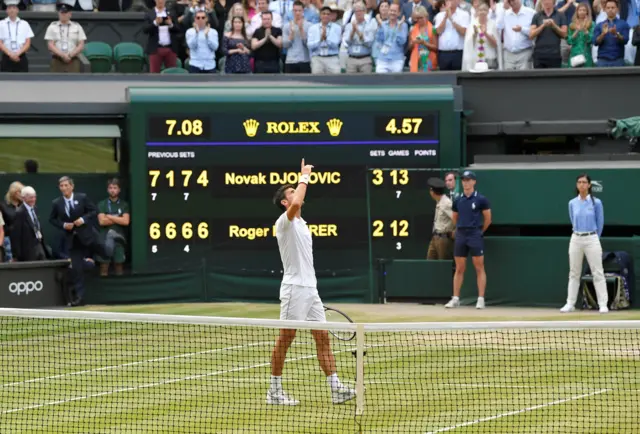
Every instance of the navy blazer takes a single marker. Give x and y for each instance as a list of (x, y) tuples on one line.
[(83, 207), (407, 10)]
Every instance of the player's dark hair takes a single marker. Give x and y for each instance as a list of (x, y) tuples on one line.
[(588, 178), (612, 1), (455, 175), (280, 196), (113, 181), (31, 166), (298, 3)]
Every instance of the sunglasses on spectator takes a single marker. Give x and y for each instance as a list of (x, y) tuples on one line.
[(201, 18)]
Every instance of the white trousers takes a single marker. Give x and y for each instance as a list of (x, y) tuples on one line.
[(588, 246), (389, 66)]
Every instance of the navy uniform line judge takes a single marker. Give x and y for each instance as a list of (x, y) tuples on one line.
[(472, 216), (15, 40), (587, 220), (440, 246)]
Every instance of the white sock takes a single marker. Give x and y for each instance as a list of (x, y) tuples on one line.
[(456, 298), (480, 298), (334, 381), (276, 383)]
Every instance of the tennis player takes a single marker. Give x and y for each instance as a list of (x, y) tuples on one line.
[(299, 299)]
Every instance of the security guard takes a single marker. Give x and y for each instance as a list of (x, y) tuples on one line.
[(65, 40), (472, 216), (15, 40), (441, 243)]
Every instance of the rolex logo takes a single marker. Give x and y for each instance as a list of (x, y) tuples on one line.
[(251, 127), (335, 125)]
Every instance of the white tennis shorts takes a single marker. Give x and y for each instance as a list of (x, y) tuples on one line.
[(301, 303)]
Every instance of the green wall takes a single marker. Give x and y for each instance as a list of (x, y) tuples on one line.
[(533, 271), (521, 271), (201, 285), (540, 197)]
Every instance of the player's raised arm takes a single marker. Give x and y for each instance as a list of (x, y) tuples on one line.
[(301, 191)]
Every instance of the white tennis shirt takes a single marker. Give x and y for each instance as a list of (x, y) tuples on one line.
[(296, 251)]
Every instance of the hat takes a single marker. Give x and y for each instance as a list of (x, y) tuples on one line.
[(11, 2), (333, 7), (64, 8), (468, 174), (436, 183)]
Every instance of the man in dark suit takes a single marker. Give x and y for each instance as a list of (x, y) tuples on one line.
[(27, 243), (163, 31), (409, 6), (75, 214)]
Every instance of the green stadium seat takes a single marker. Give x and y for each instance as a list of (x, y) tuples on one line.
[(174, 71), (186, 63), (100, 55), (129, 57), (178, 64)]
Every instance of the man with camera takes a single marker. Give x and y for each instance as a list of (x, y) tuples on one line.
[(162, 29)]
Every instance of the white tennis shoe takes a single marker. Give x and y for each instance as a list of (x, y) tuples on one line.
[(567, 308), (480, 303), (275, 397), (342, 394), (604, 309), (454, 302)]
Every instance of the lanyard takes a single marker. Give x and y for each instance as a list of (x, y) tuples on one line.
[(109, 205), (68, 29), (9, 29), (388, 40)]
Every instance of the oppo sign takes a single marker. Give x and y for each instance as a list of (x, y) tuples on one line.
[(25, 287)]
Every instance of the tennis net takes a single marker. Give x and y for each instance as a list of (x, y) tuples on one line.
[(95, 372)]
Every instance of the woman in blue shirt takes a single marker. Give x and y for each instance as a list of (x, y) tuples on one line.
[(587, 219), (203, 42)]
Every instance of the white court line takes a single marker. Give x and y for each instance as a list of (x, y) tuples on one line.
[(124, 365), (524, 410), (160, 383)]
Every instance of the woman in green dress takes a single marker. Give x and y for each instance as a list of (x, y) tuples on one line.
[(579, 37)]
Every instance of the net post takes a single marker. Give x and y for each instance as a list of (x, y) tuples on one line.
[(359, 369)]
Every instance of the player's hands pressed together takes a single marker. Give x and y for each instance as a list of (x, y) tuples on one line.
[(68, 226)]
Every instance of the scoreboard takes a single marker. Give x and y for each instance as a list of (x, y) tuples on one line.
[(207, 162)]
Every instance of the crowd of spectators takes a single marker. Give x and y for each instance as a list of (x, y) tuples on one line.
[(355, 36)]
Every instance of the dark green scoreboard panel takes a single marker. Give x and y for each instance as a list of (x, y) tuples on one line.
[(205, 163)]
